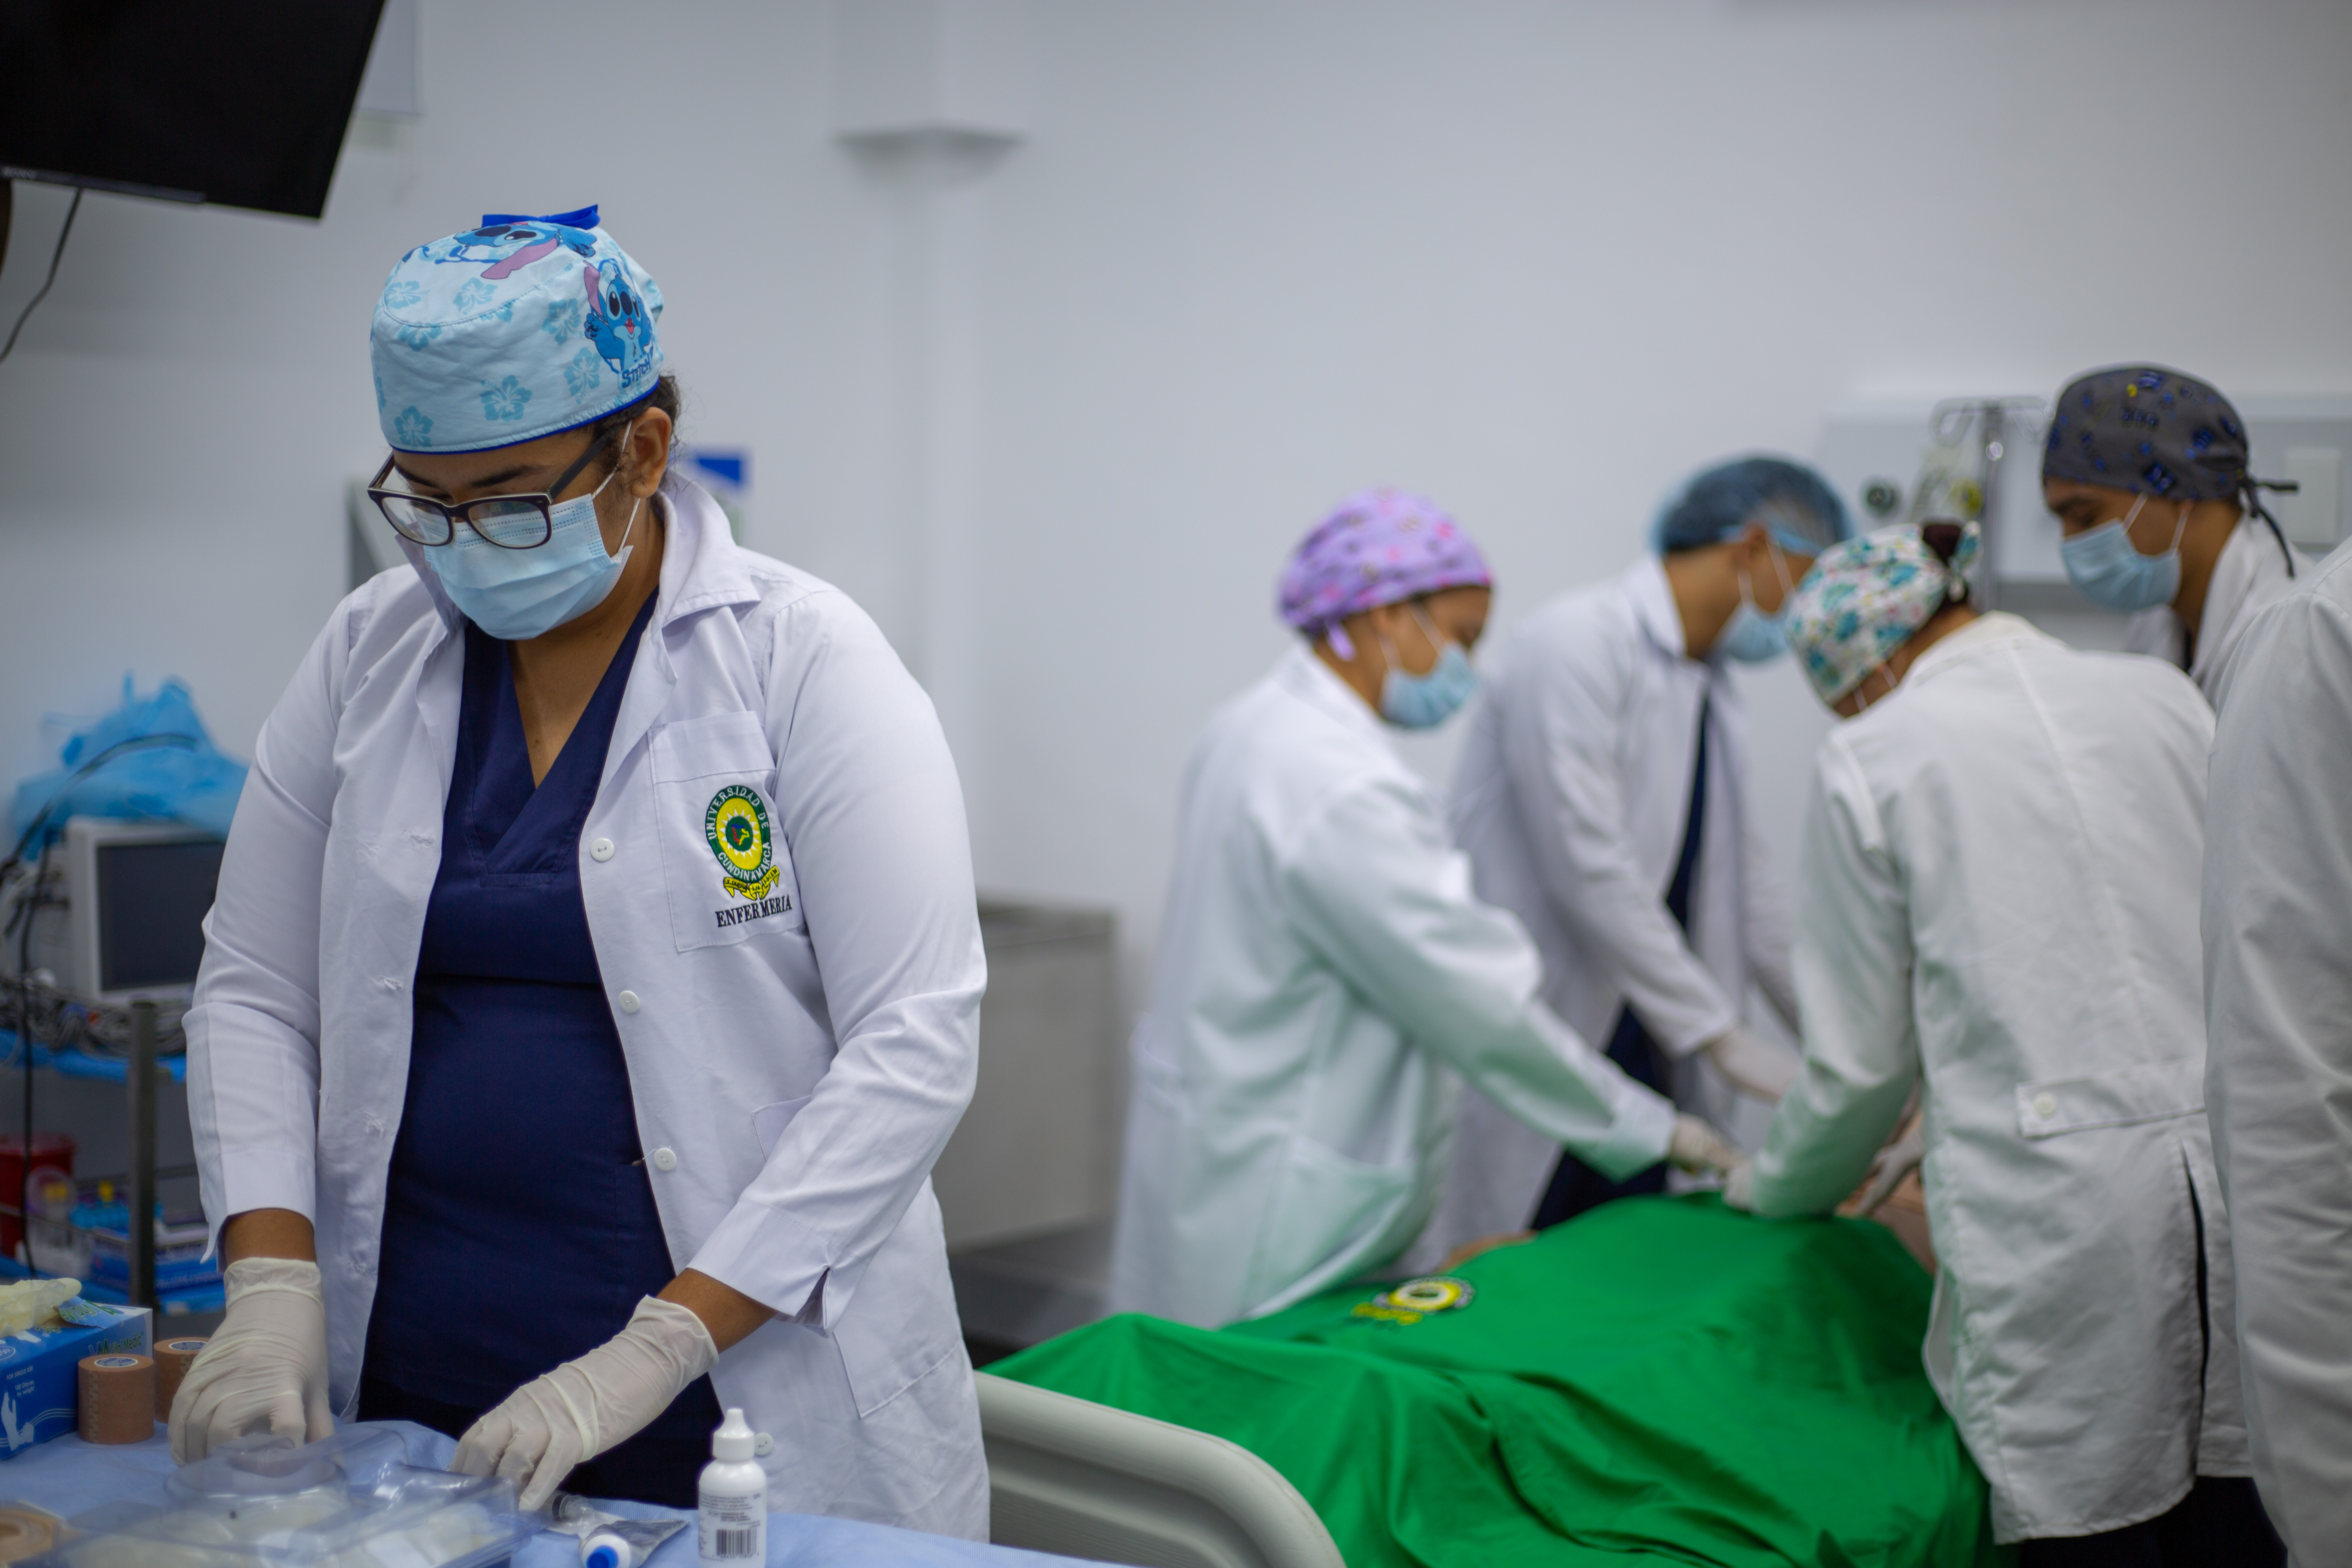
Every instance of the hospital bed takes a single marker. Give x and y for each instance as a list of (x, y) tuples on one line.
[(1660, 1379), (1085, 1480)]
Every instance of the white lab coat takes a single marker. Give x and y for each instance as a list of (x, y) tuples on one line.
[(1571, 798), (794, 1074), (2250, 576), (2278, 1007), (1999, 896), (1324, 974)]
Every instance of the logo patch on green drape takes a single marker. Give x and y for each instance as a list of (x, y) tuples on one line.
[(1417, 1299)]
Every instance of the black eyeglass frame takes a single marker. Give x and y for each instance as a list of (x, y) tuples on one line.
[(451, 514)]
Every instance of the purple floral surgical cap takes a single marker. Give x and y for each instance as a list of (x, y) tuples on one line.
[(1378, 547)]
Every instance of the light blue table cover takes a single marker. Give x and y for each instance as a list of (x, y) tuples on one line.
[(68, 1475)]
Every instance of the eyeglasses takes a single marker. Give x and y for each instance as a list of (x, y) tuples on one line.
[(510, 523)]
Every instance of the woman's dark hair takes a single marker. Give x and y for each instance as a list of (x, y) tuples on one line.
[(665, 396), (1943, 536)]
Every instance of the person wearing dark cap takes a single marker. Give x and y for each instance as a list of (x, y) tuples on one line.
[(2145, 469), (1602, 799)]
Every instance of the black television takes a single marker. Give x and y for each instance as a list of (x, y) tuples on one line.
[(238, 103)]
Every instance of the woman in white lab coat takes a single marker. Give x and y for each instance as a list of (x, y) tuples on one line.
[(595, 968), (1327, 978), (2278, 1011), (1998, 906), (1601, 797), (2145, 469)]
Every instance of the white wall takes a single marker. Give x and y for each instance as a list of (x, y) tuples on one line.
[(1537, 258), (1540, 259), (178, 424)]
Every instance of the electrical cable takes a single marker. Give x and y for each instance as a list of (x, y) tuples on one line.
[(41, 817), (55, 256), (25, 1047)]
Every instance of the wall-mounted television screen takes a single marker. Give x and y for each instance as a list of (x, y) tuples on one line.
[(240, 102)]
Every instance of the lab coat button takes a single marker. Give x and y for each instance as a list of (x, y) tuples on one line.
[(2045, 1106), (628, 1001), (665, 1160), (601, 850)]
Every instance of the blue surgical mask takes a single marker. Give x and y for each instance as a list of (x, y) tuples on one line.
[(517, 594), (2111, 572), (1751, 637), (1426, 701)]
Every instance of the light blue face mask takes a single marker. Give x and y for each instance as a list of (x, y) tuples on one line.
[(1751, 637), (1425, 701), (517, 594), (2111, 572)]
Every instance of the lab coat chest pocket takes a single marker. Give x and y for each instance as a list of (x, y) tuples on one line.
[(768, 1123), (725, 862), (2155, 1091)]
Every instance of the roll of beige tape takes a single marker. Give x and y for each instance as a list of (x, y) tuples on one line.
[(118, 1398), (26, 1532), (173, 1359)]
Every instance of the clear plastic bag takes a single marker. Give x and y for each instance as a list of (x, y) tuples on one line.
[(351, 1500)]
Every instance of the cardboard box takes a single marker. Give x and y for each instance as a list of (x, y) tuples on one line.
[(39, 1376)]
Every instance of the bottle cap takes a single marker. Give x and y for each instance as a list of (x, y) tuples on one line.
[(602, 1555), (733, 1439)]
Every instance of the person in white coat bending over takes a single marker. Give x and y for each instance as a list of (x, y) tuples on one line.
[(1998, 906), (2145, 469), (595, 970), (2278, 1013), (1601, 797), (1327, 977)]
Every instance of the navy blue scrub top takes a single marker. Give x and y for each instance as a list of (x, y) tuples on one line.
[(520, 1229)]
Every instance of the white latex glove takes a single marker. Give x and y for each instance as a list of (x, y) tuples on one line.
[(1755, 1065), (1739, 1187), (1890, 1165), (264, 1369), (1695, 1146), (584, 1406)]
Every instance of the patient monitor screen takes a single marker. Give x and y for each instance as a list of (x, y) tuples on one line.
[(151, 899)]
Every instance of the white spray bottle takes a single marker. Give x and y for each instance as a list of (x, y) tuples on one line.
[(731, 1515)]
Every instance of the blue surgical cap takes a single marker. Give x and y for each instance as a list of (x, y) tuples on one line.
[(518, 329), (1794, 503)]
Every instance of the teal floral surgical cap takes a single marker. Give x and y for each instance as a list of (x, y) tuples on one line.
[(518, 329), (1865, 597)]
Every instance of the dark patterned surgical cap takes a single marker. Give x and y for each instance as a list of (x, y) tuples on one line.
[(2154, 432), (2149, 430)]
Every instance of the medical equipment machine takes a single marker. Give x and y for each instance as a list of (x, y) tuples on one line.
[(122, 916)]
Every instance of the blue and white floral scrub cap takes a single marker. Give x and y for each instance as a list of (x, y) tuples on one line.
[(513, 331), (1866, 596)]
